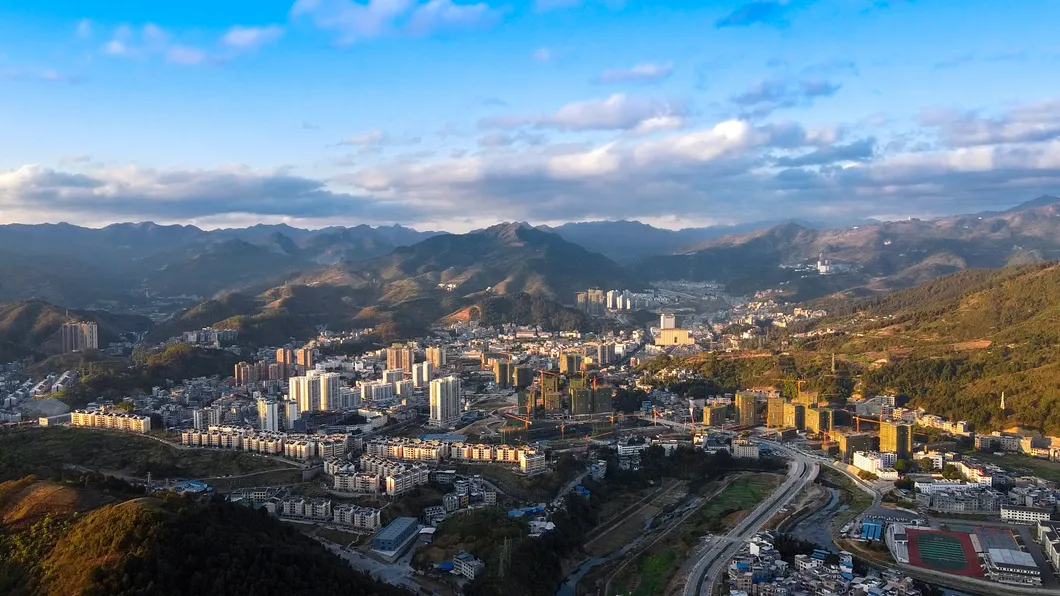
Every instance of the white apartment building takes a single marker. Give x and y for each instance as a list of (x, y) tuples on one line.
[(1025, 515), (531, 462), (357, 482), (422, 374), (360, 518), (377, 391), (873, 461), (445, 401)]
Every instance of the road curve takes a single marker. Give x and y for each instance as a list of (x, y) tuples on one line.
[(800, 473)]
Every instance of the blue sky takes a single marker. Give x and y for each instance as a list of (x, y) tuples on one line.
[(453, 114)]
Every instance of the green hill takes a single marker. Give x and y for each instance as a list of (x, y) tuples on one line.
[(956, 343), (149, 546), (33, 326)]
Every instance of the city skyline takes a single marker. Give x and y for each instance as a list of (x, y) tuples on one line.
[(454, 115)]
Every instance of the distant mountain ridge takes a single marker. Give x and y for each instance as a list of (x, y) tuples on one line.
[(883, 256), (77, 266)]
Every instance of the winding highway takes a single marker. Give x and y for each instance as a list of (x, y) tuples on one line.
[(801, 472)]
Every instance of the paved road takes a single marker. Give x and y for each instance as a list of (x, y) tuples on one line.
[(700, 581)]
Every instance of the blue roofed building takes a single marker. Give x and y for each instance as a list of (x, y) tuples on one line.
[(392, 540)]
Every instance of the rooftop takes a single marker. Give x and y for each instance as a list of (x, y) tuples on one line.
[(394, 529), (1008, 556)]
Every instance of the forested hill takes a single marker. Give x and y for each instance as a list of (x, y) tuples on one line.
[(159, 547), (955, 343)]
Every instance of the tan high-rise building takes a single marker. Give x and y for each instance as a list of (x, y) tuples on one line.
[(896, 438), (502, 373), (399, 356), (437, 357), (747, 408), (570, 363), (795, 416), (304, 358), (715, 415), (851, 442), (522, 377), (819, 420), (775, 411), (285, 356)]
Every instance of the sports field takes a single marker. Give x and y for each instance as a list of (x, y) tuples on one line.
[(948, 552)]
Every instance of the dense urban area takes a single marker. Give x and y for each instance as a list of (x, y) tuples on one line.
[(688, 444)]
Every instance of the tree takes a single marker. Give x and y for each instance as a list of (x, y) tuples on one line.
[(926, 464), (950, 472), (901, 466)]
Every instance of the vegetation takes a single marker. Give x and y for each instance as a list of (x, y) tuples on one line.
[(47, 452), (109, 379), (170, 546), (32, 327), (524, 309)]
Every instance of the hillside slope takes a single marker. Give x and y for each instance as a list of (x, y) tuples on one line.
[(33, 326), (161, 547), (956, 343)]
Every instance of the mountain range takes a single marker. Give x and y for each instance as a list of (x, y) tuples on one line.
[(279, 276)]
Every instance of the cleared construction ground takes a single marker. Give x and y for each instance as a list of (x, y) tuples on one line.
[(664, 529)]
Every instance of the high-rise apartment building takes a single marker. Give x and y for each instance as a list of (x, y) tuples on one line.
[(304, 358), (291, 414), (896, 438), (502, 374), (437, 357), (668, 320), (581, 401), (400, 356), (715, 415), (747, 408), (570, 363), (330, 391), (377, 391), (605, 354), (795, 416), (422, 374), (77, 337), (393, 375), (269, 415), (775, 411), (522, 377), (285, 356), (445, 401), (850, 443), (819, 420), (306, 391)]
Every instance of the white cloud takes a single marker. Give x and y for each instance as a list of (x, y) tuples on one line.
[(616, 112), (240, 37), (354, 20), (659, 124), (1038, 121), (116, 47), (186, 55), (84, 29), (542, 54), (641, 73), (124, 192), (152, 41)]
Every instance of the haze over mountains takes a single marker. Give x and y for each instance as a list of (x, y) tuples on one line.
[(368, 274)]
